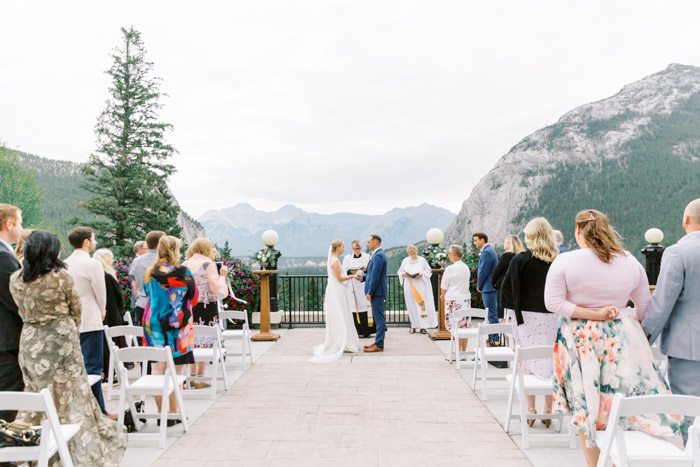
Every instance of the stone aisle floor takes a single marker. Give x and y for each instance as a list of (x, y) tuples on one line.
[(404, 407)]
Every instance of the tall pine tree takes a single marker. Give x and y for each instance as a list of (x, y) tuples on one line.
[(128, 173)]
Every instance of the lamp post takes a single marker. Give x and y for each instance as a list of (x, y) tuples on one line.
[(268, 257), (652, 252), (435, 237)]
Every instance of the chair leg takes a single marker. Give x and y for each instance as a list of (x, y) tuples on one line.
[(110, 378), (509, 406), (181, 406), (43, 446), (250, 348), (476, 366), (572, 435), (214, 374), (223, 368), (122, 404), (243, 352), (457, 355), (164, 408), (484, 388), (523, 420)]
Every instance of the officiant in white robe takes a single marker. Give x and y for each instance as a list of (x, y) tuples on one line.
[(414, 275), (354, 263)]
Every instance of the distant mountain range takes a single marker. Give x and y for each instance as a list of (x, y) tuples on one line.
[(634, 156), (305, 233)]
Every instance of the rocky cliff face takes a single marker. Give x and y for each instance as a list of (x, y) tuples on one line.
[(589, 135)]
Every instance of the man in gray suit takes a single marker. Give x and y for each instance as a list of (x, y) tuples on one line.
[(675, 307)]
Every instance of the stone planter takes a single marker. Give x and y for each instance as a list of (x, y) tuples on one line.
[(275, 319)]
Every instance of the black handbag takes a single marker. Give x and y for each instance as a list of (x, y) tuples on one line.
[(18, 434)]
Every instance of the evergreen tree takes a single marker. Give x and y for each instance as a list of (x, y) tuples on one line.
[(128, 173), (18, 187), (225, 252), (314, 301)]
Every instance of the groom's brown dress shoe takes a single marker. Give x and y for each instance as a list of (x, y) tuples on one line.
[(374, 348)]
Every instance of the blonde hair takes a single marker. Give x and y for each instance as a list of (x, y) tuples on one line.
[(411, 248), (101, 255), (201, 246), (19, 247), (8, 212), (335, 244), (599, 234), (169, 250), (516, 246), (539, 240)]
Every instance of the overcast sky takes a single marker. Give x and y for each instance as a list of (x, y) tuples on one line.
[(356, 106)]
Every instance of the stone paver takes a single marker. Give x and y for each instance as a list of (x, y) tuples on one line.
[(401, 408)]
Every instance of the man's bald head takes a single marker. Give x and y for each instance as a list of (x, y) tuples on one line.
[(691, 216)]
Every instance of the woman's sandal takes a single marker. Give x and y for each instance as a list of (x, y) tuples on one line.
[(412, 330), (531, 422), (547, 421), (423, 331)]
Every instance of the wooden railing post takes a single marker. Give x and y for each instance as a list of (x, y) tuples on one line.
[(265, 334)]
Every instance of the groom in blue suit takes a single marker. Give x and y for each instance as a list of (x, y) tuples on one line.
[(487, 264), (376, 284)]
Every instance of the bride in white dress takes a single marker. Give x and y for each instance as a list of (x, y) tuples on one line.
[(341, 335)]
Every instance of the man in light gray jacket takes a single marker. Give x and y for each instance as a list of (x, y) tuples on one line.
[(675, 307)]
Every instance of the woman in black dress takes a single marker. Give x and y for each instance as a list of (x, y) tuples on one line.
[(512, 246), (114, 315)]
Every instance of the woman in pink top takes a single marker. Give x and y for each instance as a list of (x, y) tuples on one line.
[(601, 348)]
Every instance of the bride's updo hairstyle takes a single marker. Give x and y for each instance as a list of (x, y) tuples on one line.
[(599, 234), (335, 244)]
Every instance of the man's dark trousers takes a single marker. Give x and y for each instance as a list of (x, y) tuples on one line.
[(92, 346), (379, 319), (10, 378)]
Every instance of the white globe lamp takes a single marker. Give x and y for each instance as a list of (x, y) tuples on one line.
[(654, 236), (434, 236), (270, 238)]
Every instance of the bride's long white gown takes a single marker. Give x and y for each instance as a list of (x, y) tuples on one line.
[(341, 335)]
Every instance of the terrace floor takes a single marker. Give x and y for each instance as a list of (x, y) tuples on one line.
[(406, 406)]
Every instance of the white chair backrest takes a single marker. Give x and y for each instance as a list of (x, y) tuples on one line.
[(534, 353), (206, 331), (141, 354), (233, 314), (123, 331), (501, 328), (469, 313)]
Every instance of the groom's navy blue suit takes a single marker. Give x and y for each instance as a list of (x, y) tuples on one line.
[(376, 284)]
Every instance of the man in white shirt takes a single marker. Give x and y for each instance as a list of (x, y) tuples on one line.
[(354, 263), (89, 278)]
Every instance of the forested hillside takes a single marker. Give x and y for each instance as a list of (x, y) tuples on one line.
[(656, 175)]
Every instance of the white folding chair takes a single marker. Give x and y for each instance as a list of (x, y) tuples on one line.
[(54, 436), (242, 334), (463, 333), (484, 355), (131, 335), (530, 385), (636, 448), (150, 385), (213, 355)]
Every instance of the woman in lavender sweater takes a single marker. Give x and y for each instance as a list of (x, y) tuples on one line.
[(601, 348)]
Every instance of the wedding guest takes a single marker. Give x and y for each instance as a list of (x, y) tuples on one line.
[(601, 348), (19, 247), (167, 320), (674, 306), (487, 264), (115, 302), (89, 281), (10, 321), (454, 291), (137, 273), (51, 355), (212, 287), (512, 246), (533, 324), (140, 248), (414, 275), (559, 240), (356, 263)]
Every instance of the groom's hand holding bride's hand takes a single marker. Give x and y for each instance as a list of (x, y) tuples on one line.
[(358, 277)]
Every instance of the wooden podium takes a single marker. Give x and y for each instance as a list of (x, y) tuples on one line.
[(442, 333), (265, 334)]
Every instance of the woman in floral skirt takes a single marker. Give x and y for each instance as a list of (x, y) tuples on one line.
[(601, 349)]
